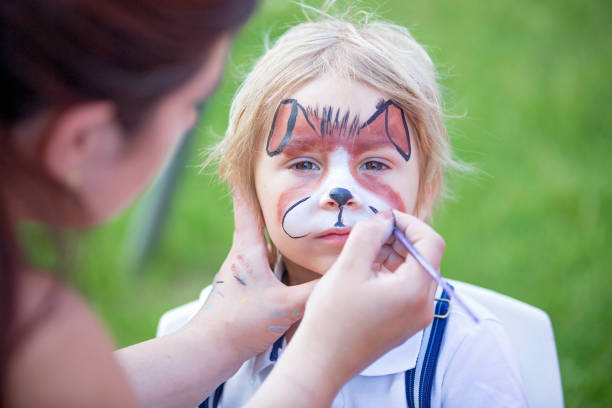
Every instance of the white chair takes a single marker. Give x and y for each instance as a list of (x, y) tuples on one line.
[(531, 335), (176, 318), (528, 328)]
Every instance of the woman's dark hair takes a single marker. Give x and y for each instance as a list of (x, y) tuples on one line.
[(54, 54)]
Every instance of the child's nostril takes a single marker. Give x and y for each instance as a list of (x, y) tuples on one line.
[(340, 195)]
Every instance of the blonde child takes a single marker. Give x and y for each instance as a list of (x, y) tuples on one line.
[(336, 122)]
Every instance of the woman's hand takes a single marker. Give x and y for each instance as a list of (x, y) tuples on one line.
[(248, 306), (247, 310), (374, 298)]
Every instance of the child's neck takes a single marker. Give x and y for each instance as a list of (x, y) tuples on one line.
[(296, 275)]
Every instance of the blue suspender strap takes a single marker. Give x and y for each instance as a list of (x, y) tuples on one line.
[(433, 349), (217, 396), (419, 380), (215, 400), (409, 380), (278, 344)]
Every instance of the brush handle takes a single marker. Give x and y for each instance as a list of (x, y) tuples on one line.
[(432, 271)]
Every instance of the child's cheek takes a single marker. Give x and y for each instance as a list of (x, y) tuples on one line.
[(382, 190), (289, 197)]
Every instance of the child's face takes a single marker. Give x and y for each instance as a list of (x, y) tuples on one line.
[(337, 152)]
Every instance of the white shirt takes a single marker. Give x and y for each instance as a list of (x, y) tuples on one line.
[(476, 368)]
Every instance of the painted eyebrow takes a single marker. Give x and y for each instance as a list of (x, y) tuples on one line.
[(327, 116), (332, 119)]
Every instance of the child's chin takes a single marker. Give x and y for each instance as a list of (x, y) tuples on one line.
[(323, 264)]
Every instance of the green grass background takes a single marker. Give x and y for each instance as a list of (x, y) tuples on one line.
[(532, 80)]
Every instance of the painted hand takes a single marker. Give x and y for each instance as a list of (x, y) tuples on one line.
[(249, 307)]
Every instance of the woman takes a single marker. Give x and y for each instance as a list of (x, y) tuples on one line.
[(96, 93)]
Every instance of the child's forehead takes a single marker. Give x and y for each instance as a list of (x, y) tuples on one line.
[(344, 95)]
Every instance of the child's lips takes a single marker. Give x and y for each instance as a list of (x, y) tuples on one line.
[(335, 235)]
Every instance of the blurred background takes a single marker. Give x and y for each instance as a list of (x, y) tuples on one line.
[(530, 83)]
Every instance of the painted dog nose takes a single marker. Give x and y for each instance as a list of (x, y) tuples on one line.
[(340, 195)]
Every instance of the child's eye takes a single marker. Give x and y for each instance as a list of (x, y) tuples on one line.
[(373, 165), (305, 165)]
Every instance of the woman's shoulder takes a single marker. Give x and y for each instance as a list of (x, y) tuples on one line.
[(62, 355)]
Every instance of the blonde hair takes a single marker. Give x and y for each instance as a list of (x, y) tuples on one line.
[(379, 54)]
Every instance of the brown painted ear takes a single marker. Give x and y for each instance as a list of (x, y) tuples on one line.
[(390, 118), (397, 130), (282, 126)]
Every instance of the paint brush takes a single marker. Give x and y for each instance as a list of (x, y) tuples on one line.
[(430, 269)]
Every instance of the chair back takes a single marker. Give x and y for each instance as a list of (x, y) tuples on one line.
[(532, 339)]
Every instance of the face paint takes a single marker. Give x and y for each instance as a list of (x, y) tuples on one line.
[(294, 124), (338, 202), (343, 192)]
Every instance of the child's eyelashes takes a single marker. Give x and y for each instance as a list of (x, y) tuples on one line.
[(305, 165), (373, 165)]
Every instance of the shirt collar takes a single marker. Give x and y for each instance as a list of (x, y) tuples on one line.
[(401, 358)]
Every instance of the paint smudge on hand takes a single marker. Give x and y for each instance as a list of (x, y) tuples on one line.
[(240, 280)]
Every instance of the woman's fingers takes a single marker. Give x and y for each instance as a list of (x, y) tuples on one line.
[(296, 297), (393, 260), (383, 254), (249, 241), (246, 227), (364, 244), (424, 238), (429, 243)]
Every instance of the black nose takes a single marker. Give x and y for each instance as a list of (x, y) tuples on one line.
[(340, 195)]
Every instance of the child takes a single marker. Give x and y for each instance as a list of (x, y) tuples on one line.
[(336, 122)]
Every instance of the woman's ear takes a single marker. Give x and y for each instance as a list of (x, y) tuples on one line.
[(76, 138)]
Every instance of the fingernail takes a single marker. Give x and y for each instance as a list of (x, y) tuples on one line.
[(387, 214)]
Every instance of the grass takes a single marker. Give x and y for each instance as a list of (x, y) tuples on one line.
[(534, 222)]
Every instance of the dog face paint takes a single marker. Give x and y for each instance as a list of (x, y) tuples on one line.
[(344, 194), (320, 170)]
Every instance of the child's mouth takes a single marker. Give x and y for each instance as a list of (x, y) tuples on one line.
[(335, 236)]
